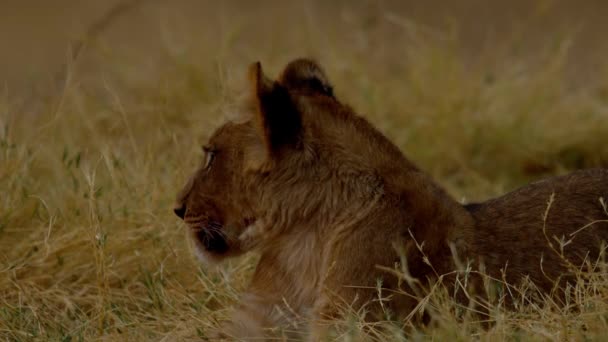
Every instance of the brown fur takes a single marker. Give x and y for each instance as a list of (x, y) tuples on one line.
[(326, 199)]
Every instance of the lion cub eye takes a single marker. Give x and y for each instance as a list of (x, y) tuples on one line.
[(209, 156)]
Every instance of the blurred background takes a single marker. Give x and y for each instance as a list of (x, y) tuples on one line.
[(401, 63), (104, 106), (36, 35)]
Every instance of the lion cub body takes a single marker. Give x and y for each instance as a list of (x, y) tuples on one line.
[(524, 230), (331, 205)]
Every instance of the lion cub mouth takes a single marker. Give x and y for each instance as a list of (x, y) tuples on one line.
[(210, 237), (213, 241)]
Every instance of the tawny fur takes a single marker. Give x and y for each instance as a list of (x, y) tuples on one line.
[(327, 201)]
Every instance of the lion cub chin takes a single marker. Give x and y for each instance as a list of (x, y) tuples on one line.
[(339, 216)]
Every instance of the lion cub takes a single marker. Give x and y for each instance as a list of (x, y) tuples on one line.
[(331, 204)]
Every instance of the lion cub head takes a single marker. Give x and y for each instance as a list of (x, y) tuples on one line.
[(294, 163)]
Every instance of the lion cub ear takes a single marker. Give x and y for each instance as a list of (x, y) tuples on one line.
[(276, 114), (307, 76)]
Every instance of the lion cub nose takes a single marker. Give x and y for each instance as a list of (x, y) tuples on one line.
[(180, 211)]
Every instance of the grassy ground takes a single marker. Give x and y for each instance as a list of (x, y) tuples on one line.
[(89, 247)]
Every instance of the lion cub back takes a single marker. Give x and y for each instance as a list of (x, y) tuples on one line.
[(544, 228)]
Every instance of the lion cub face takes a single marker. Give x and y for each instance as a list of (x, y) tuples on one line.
[(229, 201), (212, 203)]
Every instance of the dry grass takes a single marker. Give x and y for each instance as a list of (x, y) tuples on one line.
[(89, 247)]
